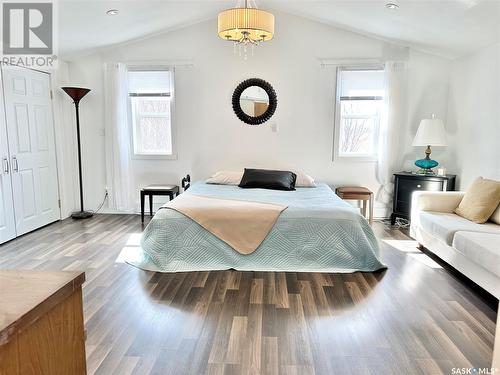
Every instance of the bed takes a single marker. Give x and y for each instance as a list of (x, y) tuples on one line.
[(318, 232)]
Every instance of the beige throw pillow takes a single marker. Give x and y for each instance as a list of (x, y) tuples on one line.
[(480, 200)]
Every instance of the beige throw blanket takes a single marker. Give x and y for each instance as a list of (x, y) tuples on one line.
[(242, 225)]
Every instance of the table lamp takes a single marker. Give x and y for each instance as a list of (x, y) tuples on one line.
[(430, 133)]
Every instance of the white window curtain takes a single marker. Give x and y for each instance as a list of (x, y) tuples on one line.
[(394, 118), (118, 148)]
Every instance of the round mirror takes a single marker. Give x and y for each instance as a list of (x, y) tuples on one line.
[(254, 101)]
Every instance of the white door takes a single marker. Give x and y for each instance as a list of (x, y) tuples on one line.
[(30, 133), (7, 222)]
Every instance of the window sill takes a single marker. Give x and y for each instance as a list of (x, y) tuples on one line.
[(356, 159), (154, 157)]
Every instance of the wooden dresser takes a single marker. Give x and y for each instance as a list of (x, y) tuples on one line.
[(405, 183), (41, 323)]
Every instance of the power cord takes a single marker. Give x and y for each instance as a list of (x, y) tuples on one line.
[(102, 203), (400, 222)]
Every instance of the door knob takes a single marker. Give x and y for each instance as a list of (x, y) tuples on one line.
[(5, 165), (15, 166)]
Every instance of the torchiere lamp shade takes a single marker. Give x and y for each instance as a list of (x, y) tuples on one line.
[(76, 93)]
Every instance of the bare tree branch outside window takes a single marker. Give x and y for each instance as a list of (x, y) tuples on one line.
[(358, 127)]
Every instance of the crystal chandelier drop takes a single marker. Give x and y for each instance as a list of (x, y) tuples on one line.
[(246, 26)]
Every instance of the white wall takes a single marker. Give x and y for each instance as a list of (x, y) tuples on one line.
[(210, 137), (474, 116), (428, 93)]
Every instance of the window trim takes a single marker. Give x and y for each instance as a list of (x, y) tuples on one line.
[(337, 113), (173, 128)]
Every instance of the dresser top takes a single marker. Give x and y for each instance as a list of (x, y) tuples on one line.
[(26, 295), (417, 175)]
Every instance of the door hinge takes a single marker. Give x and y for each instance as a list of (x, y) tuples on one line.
[(51, 95), (59, 203)]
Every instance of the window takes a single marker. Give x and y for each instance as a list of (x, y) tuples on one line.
[(360, 94), (151, 98)]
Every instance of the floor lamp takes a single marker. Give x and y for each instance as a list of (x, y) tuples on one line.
[(77, 93)]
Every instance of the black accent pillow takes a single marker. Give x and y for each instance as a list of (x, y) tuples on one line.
[(267, 179)]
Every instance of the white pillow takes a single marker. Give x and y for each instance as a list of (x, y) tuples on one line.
[(225, 178), (304, 180), (234, 178)]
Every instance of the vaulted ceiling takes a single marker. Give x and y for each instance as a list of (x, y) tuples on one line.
[(450, 28)]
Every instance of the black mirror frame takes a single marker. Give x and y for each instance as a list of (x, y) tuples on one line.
[(273, 101)]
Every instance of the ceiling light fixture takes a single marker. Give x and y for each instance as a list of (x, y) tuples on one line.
[(112, 12), (392, 6), (246, 26)]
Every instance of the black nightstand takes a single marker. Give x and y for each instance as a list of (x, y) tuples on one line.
[(405, 183)]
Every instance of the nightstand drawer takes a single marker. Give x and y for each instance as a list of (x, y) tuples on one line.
[(414, 184)]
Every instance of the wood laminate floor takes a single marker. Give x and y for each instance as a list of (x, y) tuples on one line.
[(414, 318)]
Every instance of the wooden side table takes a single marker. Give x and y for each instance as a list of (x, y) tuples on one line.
[(360, 194), (152, 190)]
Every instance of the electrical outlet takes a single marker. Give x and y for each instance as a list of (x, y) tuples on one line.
[(274, 126)]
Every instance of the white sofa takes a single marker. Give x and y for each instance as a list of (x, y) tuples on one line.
[(473, 249)]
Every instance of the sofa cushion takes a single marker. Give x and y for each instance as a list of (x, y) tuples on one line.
[(481, 248), (445, 225), (480, 200)]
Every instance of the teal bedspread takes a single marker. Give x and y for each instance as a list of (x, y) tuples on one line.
[(318, 232)]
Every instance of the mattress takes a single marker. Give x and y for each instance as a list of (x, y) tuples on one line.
[(318, 232)]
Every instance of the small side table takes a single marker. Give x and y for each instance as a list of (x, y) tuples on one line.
[(152, 190), (360, 194)]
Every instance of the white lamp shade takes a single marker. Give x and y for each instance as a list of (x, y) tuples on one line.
[(430, 133)]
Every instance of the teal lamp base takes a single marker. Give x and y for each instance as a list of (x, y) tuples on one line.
[(426, 164)]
